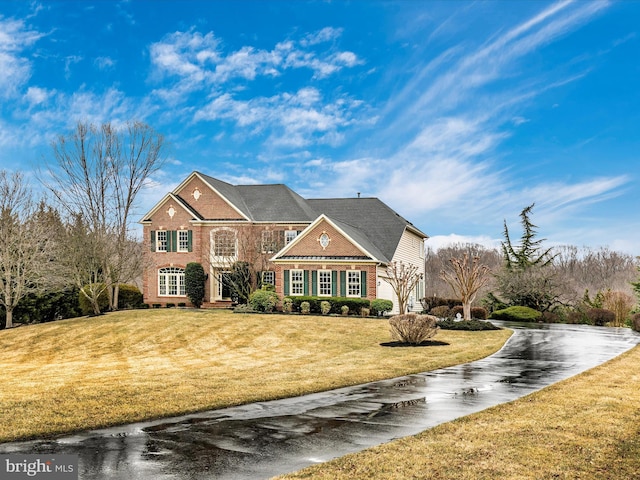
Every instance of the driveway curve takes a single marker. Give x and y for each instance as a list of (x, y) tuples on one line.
[(264, 439)]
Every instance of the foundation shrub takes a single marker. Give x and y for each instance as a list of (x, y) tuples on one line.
[(287, 305), (600, 316), (380, 306), (457, 310), (325, 307), (315, 303), (305, 308), (517, 314), (263, 300), (413, 329)]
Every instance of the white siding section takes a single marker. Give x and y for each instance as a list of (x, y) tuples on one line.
[(410, 251)]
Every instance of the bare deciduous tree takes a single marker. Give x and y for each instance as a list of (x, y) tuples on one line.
[(466, 279), (25, 244), (98, 173), (403, 278)]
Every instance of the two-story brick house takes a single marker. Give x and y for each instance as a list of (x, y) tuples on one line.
[(320, 247)]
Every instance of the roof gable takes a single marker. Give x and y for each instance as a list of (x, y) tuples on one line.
[(340, 243), (372, 218)]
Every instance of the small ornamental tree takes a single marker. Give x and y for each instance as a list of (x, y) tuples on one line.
[(465, 279), (194, 278), (403, 278)]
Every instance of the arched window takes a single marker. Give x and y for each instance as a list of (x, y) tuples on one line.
[(171, 282)]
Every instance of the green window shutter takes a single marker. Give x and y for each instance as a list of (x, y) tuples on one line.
[(190, 240), (173, 244), (314, 283), (343, 283), (334, 283), (306, 283), (153, 240), (286, 282), (363, 284)]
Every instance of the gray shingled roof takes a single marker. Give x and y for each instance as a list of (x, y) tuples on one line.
[(368, 221), (275, 203), (375, 220)]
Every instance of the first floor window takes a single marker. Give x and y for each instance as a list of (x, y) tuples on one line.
[(269, 277), (171, 282), (297, 282), (353, 283), (324, 282)]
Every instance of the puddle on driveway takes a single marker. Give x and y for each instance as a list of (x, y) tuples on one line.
[(264, 439)]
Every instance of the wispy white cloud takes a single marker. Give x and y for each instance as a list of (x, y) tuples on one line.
[(199, 60), (15, 38), (294, 120), (452, 122)]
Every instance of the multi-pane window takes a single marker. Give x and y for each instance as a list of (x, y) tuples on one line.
[(270, 241), (224, 243), (183, 240), (289, 236), (171, 282), (353, 283), (269, 277), (161, 241), (297, 282), (324, 282)]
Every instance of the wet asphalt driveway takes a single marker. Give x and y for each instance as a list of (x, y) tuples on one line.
[(261, 440)]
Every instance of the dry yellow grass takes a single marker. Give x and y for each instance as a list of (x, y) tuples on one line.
[(131, 366), (587, 427)]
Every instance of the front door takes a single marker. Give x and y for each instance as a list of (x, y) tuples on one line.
[(221, 285)]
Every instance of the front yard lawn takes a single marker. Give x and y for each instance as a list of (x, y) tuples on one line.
[(135, 365)]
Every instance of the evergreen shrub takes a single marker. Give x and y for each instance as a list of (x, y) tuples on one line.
[(468, 325), (194, 279), (263, 300), (379, 306)]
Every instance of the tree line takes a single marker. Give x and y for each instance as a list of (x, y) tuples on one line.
[(79, 236), (564, 283)]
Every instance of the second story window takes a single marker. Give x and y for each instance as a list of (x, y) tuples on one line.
[(183, 240), (161, 241), (289, 236), (224, 243)]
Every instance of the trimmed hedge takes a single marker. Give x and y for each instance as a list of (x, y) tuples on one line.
[(467, 325), (600, 316), (517, 314), (355, 304)]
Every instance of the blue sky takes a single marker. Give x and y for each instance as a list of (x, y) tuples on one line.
[(458, 114)]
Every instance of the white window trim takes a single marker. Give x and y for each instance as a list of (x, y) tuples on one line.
[(329, 283), (167, 274), (297, 283), (162, 245), (290, 236), (357, 285), (185, 234), (223, 259)]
